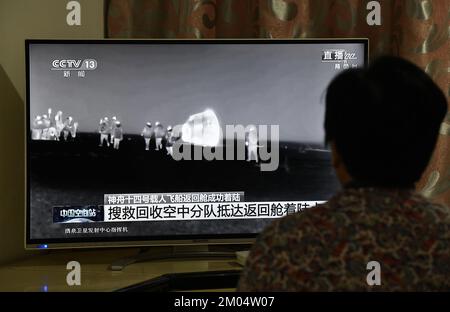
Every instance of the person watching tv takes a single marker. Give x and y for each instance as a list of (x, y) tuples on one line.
[(382, 124)]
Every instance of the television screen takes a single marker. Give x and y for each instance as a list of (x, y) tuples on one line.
[(175, 140)]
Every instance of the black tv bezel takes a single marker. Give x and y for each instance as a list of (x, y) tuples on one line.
[(128, 241)]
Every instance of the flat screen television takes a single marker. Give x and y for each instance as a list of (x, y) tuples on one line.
[(166, 142)]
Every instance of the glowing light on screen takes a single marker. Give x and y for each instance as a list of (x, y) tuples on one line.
[(202, 129)]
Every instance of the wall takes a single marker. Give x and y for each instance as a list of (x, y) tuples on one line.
[(20, 20)]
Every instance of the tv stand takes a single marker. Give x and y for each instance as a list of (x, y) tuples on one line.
[(202, 252)]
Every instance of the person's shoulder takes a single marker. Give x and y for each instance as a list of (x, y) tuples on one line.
[(274, 246), (323, 217), (435, 212), (292, 227)]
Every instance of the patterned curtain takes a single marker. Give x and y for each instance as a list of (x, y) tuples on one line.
[(418, 30)]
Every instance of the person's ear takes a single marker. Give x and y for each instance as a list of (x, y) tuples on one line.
[(339, 166), (335, 157)]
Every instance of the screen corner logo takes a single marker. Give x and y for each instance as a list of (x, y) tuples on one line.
[(69, 65), (338, 55), (340, 58)]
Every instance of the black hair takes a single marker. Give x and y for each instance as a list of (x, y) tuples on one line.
[(384, 121)]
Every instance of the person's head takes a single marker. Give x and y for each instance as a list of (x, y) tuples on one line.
[(382, 122)]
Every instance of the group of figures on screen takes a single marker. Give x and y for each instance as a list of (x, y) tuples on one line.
[(111, 133), (53, 128), (201, 129)]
